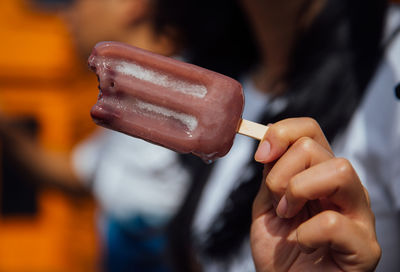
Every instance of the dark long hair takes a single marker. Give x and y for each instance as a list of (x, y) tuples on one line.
[(214, 34), (330, 69)]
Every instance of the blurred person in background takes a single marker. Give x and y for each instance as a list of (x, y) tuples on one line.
[(138, 185)]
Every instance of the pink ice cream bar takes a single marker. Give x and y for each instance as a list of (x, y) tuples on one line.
[(174, 104)]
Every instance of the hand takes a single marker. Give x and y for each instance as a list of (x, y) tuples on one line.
[(312, 212)]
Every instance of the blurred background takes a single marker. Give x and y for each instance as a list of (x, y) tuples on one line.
[(44, 93)]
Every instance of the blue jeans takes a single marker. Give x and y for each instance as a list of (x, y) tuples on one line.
[(134, 246)]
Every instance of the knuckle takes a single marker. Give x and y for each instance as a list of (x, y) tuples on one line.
[(280, 132), (376, 250), (344, 168), (293, 189), (305, 144), (274, 185), (330, 222), (312, 123)]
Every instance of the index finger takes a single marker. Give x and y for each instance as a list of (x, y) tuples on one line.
[(284, 133)]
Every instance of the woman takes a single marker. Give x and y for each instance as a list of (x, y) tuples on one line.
[(316, 59)]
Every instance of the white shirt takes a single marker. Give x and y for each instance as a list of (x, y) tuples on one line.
[(131, 177)]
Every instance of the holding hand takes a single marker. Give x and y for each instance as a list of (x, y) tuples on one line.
[(312, 213)]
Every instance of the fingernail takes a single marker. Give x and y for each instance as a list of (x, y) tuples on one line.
[(263, 151), (281, 210)]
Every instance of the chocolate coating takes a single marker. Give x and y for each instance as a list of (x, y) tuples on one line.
[(174, 104)]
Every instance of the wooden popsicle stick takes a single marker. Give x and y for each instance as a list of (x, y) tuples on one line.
[(252, 129)]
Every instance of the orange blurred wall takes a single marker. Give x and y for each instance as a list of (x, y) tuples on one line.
[(38, 78)]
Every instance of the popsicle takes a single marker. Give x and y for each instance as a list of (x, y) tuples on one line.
[(174, 104)]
